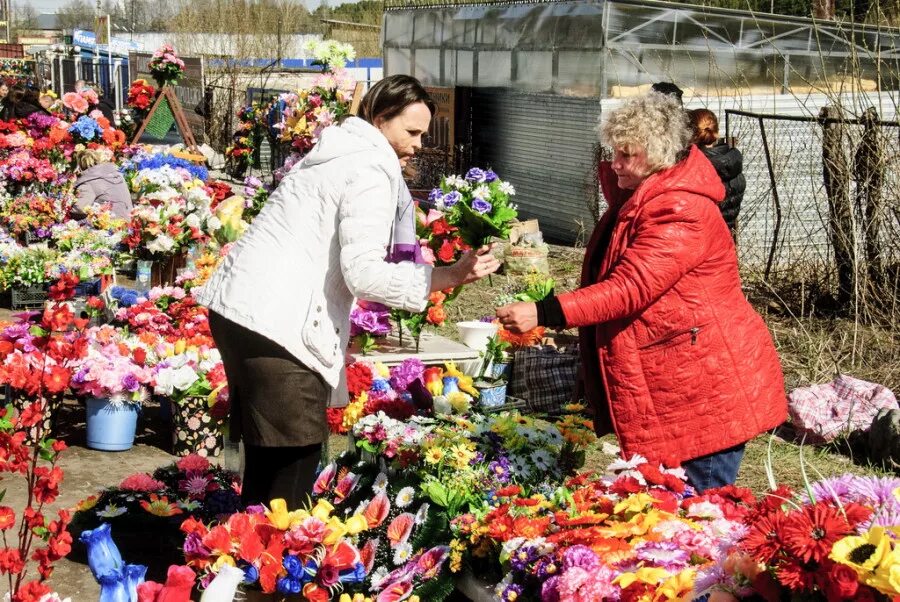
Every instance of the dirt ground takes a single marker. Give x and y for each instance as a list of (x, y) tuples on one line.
[(811, 351)]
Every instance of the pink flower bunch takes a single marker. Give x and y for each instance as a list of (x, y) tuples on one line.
[(80, 102), (23, 168), (141, 482), (110, 370)]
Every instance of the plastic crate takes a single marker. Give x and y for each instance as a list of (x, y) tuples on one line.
[(31, 297)]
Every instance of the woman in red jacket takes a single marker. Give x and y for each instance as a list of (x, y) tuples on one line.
[(675, 360)]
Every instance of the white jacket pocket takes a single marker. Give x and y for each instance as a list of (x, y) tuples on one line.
[(319, 335)]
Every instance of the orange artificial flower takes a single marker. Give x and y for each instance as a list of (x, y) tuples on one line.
[(526, 339)]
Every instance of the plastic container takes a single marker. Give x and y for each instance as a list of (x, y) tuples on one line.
[(476, 334), (492, 397), (111, 427)]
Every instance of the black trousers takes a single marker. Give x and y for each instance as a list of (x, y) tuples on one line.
[(280, 472)]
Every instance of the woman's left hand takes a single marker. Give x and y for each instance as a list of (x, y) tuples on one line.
[(518, 317)]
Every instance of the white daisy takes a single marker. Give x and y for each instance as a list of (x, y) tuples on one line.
[(482, 192), (405, 497), (378, 577), (402, 554), (381, 483), (507, 188), (541, 459)]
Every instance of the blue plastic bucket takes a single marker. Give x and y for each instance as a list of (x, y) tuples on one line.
[(111, 427)]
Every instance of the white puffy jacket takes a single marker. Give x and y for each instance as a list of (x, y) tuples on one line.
[(320, 241)]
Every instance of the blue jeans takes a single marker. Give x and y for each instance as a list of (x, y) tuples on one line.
[(714, 470)]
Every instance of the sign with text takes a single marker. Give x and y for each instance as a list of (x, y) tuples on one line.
[(88, 39)]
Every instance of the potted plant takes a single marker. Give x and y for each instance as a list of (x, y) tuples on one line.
[(492, 378), (115, 382)]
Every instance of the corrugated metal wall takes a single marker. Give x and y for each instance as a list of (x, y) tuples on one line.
[(544, 145)]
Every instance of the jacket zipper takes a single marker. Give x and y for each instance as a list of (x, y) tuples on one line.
[(694, 332)]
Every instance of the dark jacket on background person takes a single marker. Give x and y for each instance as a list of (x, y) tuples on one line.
[(20, 110), (729, 164), (99, 185)]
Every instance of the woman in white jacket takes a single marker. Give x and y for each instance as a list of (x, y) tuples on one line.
[(280, 302)]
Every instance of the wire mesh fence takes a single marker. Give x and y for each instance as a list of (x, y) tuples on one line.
[(791, 224)]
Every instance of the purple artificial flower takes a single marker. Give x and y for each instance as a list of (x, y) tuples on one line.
[(435, 196), (251, 185), (550, 591), (130, 383), (490, 176), (582, 557), (476, 175), (664, 554), (403, 375), (481, 206), (512, 592), (452, 198), (499, 469), (376, 323), (193, 546)]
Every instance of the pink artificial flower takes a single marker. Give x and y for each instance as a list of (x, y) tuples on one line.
[(141, 482), (581, 585), (193, 463), (75, 102)]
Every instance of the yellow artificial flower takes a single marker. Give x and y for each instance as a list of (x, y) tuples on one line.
[(322, 510), (862, 553), (357, 524), (460, 402), (897, 493), (648, 575), (222, 561), (464, 381), (279, 515), (635, 503), (383, 371), (462, 456), (355, 598), (677, 587), (335, 531), (180, 346), (434, 455)]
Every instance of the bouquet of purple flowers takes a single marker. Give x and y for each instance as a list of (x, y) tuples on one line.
[(368, 321)]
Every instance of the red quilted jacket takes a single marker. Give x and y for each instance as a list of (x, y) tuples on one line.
[(674, 356)]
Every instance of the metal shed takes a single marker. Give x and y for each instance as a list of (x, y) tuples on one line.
[(544, 72)]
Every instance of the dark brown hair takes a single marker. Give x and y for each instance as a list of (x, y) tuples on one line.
[(705, 126), (391, 95)]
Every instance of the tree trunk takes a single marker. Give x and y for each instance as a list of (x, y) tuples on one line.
[(869, 172), (836, 174)]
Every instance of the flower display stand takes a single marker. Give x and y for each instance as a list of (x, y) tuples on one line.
[(195, 430), (163, 272)]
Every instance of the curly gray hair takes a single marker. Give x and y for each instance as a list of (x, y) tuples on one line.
[(655, 122)]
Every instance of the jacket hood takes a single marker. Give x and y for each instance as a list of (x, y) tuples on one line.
[(103, 171), (693, 175), (352, 136), (727, 160)]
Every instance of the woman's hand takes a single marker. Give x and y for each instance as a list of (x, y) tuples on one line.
[(473, 265), (518, 317)]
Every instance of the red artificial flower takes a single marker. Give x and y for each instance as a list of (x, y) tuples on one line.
[(441, 227), (46, 488), (810, 534), (396, 408), (11, 561), (31, 415), (857, 513), (57, 317), (7, 518), (31, 591), (763, 541), (64, 288), (141, 482), (839, 583), (436, 315), (447, 252), (359, 378), (56, 379), (193, 463), (508, 491), (626, 486), (796, 575), (335, 418), (773, 500)]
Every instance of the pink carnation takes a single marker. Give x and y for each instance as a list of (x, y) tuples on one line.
[(193, 463), (141, 482), (75, 102), (580, 585)]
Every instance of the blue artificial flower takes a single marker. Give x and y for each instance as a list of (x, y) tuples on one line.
[(113, 588), (452, 198), (357, 575), (481, 206), (251, 573), (159, 159), (451, 384), (86, 127), (293, 566), (380, 385), (134, 576), (128, 299), (490, 176), (104, 558), (309, 571), (476, 175), (435, 195), (287, 585)]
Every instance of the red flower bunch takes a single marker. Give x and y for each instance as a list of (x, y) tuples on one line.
[(359, 378), (37, 538), (218, 192), (169, 317), (64, 288), (794, 543), (141, 482), (394, 408), (141, 95)]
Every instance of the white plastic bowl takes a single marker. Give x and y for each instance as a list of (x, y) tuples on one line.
[(476, 334)]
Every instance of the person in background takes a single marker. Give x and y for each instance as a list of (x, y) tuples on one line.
[(4, 92), (675, 360), (81, 85), (280, 301), (104, 106), (669, 89), (100, 183), (49, 101), (727, 160), (21, 103)]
